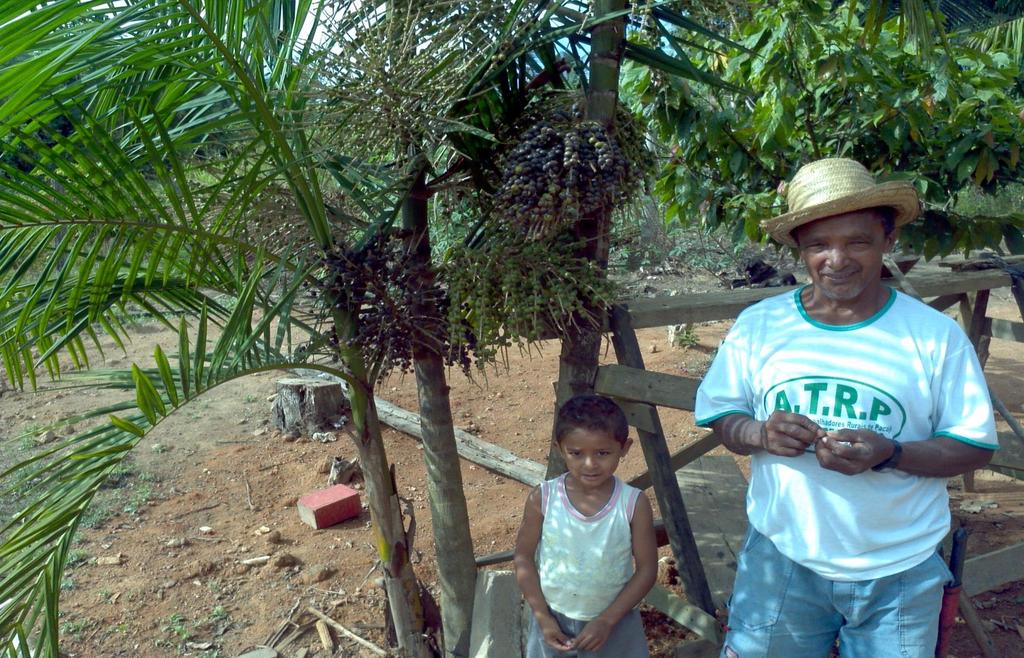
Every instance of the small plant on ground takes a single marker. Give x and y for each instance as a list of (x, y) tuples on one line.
[(146, 476), (682, 335), (28, 434), (76, 627), (97, 514), (138, 499), (177, 625)]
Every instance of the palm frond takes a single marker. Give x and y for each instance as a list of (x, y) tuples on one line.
[(989, 24), (104, 206), (1007, 37), (973, 15), (58, 485), (162, 80), (59, 279)]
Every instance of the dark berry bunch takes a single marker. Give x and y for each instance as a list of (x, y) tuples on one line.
[(395, 307), (559, 167)]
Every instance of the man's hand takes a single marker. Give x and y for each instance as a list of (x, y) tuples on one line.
[(852, 451), (788, 435), (553, 634), (593, 636)]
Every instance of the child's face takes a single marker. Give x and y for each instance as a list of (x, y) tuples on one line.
[(591, 456)]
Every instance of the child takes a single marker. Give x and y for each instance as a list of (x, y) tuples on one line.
[(580, 536)]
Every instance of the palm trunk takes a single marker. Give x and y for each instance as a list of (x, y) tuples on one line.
[(577, 362), (386, 513), (450, 519)]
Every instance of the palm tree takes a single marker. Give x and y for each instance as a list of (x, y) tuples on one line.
[(189, 121)]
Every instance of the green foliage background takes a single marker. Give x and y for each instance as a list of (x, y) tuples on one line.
[(951, 122)]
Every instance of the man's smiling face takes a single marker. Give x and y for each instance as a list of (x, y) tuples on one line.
[(843, 254)]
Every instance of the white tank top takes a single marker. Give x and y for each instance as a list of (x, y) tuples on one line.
[(584, 561)]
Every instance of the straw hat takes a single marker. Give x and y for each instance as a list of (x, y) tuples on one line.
[(834, 186)]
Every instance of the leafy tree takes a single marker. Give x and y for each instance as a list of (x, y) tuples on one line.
[(949, 122)]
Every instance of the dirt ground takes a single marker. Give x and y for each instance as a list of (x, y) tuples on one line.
[(214, 486)]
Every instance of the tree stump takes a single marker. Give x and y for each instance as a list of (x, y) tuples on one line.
[(308, 405)]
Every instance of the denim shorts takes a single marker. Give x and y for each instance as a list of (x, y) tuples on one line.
[(627, 639), (780, 609)]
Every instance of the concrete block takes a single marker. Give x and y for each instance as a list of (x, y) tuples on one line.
[(498, 630), (326, 507)]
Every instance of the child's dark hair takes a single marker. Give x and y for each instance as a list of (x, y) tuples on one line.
[(591, 412)]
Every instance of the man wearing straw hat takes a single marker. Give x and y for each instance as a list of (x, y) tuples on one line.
[(855, 403)]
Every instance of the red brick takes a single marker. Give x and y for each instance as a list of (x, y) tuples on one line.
[(326, 507)]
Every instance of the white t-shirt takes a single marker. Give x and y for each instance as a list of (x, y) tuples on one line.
[(908, 373), (584, 561)]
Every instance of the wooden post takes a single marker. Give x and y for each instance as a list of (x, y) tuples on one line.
[(666, 489), (972, 317), (1017, 286), (976, 326)]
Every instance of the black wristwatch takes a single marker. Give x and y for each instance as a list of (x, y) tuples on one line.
[(894, 459)]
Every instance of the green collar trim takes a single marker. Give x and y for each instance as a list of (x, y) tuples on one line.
[(841, 327)]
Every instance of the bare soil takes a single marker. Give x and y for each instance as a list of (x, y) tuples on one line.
[(197, 497)]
